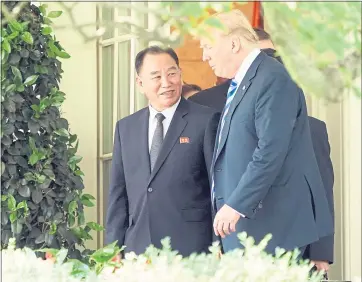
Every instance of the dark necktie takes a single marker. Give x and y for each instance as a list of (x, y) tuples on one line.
[(157, 140)]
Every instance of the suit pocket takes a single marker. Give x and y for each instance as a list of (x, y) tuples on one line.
[(195, 214)]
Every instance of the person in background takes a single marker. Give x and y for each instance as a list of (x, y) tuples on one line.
[(189, 90), (320, 252)]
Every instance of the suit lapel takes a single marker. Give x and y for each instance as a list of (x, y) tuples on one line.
[(174, 131), (242, 90), (143, 139)]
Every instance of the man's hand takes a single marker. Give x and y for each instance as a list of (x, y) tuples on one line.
[(321, 265), (225, 221)]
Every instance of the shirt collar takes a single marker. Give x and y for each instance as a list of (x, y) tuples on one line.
[(245, 65), (168, 113)]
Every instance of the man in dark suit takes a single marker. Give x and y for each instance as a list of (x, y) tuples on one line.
[(320, 252), (265, 174), (160, 168)]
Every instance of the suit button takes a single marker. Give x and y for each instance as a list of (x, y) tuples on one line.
[(150, 189)]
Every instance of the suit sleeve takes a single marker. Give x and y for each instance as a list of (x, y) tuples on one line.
[(117, 211), (276, 109), (322, 250), (209, 141)]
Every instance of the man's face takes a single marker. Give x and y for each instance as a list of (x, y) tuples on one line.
[(218, 53), (160, 80)]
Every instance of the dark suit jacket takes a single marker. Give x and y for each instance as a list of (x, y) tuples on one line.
[(323, 249), (265, 165), (172, 200)]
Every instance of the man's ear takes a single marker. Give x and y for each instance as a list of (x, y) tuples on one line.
[(139, 83), (235, 44)]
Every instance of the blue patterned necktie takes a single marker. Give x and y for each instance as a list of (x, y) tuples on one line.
[(230, 96)]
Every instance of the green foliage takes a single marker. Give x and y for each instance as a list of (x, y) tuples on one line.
[(42, 188), (320, 44)]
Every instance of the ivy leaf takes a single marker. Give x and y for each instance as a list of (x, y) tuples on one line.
[(40, 239), (13, 35), (16, 227), (31, 80), (71, 220), (36, 196), (21, 205), (46, 30), (41, 69), (75, 159), (10, 88), (16, 72), (79, 173), (27, 37), (87, 203), (63, 55), (20, 88), (72, 207), (29, 176), (105, 254), (73, 138), (47, 21), (13, 216), (33, 159), (55, 14), (41, 178), (6, 45), (62, 132), (53, 229), (24, 191), (49, 173), (81, 218), (11, 202), (32, 144), (25, 25), (42, 9), (16, 25), (95, 226), (86, 199)]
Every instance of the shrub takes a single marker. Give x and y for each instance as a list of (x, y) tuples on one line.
[(42, 187)]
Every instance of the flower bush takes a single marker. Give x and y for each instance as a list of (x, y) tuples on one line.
[(161, 265)]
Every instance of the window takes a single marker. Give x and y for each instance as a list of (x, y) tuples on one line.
[(118, 95)]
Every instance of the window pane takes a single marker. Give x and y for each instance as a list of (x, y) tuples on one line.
[(106, 181), (124, 28), (140, 99), (145, 19), (107, 98), (124, 53), (108, 16)]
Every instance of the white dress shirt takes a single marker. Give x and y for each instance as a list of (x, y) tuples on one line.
[(245, 65), (152, 122)]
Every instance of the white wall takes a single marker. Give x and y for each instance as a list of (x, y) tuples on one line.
[(79, 83), (352, 180), (344, 129)]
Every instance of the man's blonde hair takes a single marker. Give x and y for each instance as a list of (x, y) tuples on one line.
[(235, 23)]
